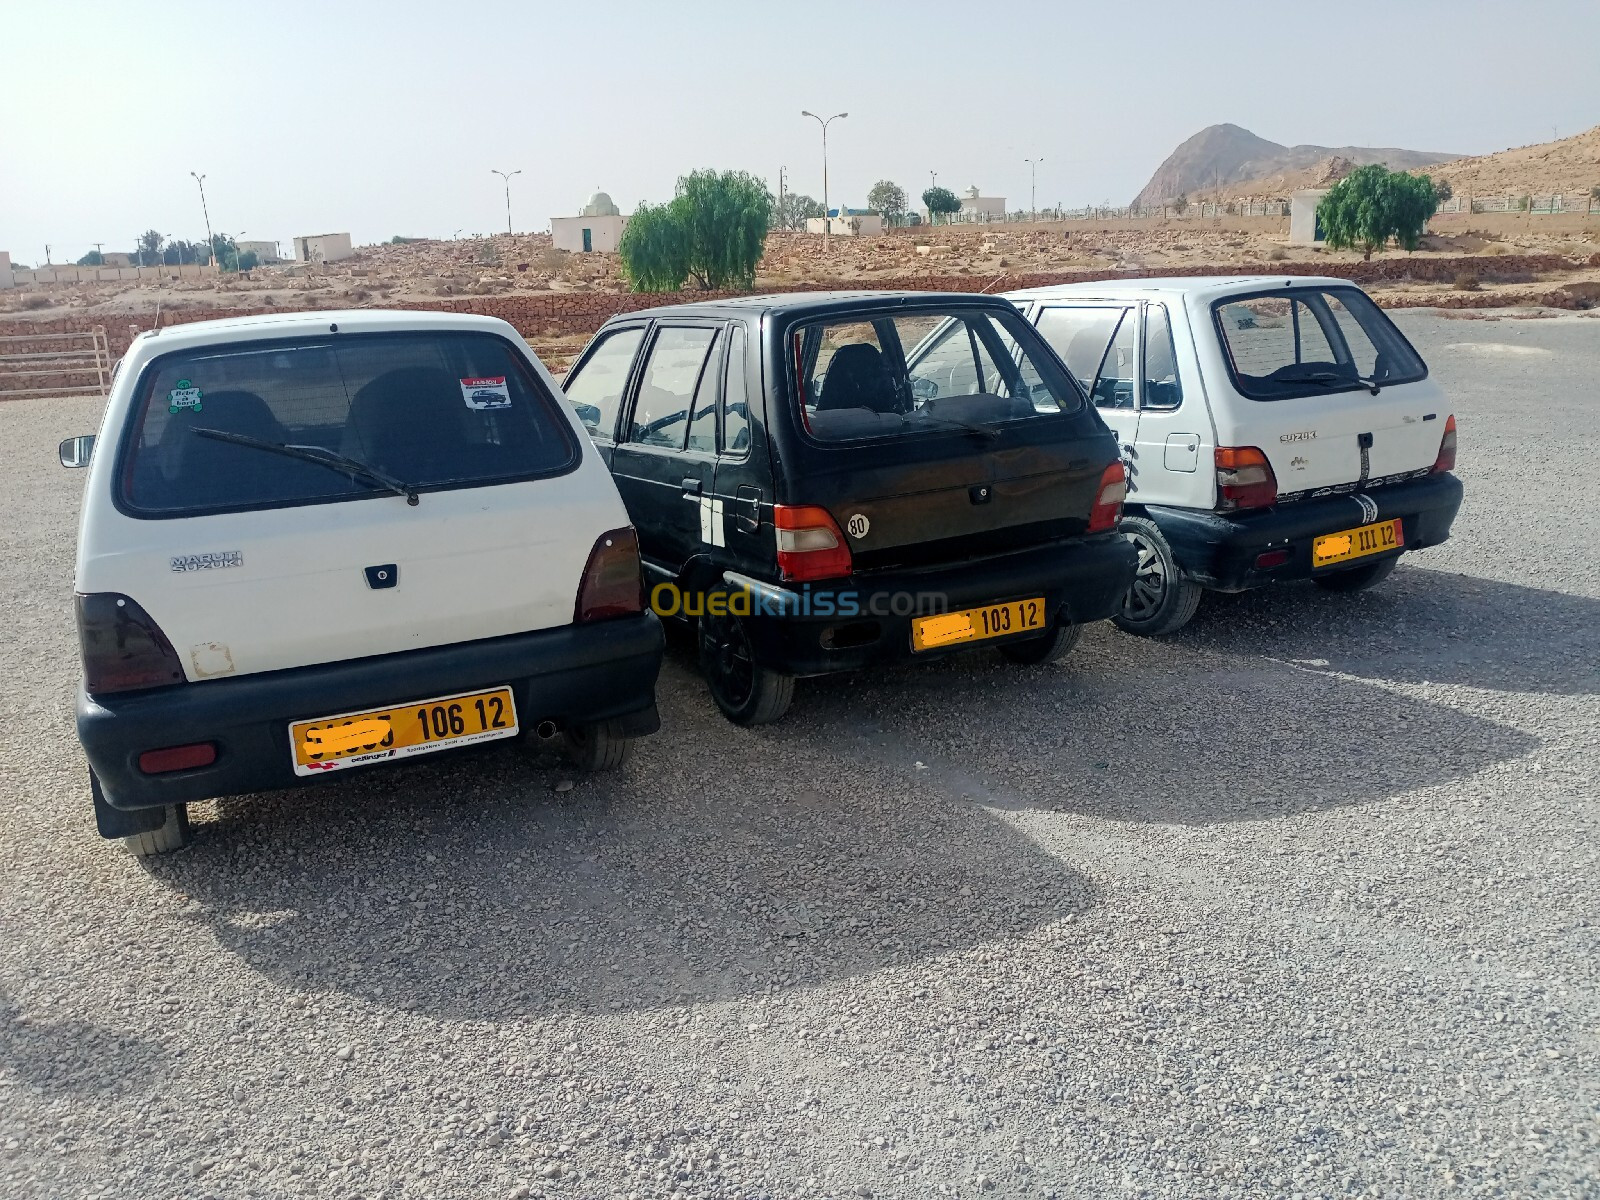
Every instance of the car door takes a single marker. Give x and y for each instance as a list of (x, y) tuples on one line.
[(662, 481), (1099, 344), (1172, 444), (743, 476)]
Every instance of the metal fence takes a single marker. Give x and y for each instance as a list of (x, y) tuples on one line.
[(54, 364)]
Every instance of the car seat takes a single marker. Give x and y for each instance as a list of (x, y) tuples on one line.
[(202, 471), (409, 423), (858, 378)]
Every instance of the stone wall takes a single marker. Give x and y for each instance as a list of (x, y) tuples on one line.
[(550, 314)]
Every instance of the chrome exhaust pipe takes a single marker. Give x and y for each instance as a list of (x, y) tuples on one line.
[(545, 730)]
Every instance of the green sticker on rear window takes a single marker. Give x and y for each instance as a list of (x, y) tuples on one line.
[(184, 397)]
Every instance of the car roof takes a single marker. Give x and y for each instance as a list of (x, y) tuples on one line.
[(1201, 287), (295, 324), (799, 302)]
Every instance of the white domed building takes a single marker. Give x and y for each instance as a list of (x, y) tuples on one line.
[(595, 230)]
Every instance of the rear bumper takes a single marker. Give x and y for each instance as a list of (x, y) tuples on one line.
[(577, 674), (1219, 550), (845, 625)]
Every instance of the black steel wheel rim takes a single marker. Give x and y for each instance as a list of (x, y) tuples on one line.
[(731, 664)]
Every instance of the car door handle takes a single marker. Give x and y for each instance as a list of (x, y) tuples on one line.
[(691, 488)]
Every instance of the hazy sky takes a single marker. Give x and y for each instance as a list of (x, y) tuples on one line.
[(386, 118)]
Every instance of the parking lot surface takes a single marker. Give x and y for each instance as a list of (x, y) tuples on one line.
[(1302, 900)]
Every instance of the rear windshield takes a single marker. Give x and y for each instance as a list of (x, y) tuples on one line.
[(1311, 341), (869, 375), (430, 410)]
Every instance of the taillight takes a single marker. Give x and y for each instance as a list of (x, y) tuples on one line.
[(1244, 478), (613, 583), (1108, 498), (178, 758), (123, 649), (810, 543), (1447, 448)]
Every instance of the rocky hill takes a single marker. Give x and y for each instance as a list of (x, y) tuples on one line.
[(1224, 155), (1568, 167)]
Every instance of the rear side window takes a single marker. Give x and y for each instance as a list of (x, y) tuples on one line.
[(1162, 387), (882, 375), (432, 410), (1311, 341), (736, 398), (596, 388)]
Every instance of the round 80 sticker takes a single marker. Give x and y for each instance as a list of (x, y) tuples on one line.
[(858, 525)]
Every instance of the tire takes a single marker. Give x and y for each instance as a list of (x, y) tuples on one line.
[(173, 834), (1359, 579), (746, 692), (1046, 648), (599, 747), (1160, 600)]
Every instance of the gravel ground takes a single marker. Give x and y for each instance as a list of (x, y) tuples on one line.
[(1302, 901)]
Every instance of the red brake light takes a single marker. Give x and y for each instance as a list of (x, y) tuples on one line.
[(810, 543), (1447, 448), (123, 648), (1108, 498), (613, 582), (1244, 478), (178, 758)]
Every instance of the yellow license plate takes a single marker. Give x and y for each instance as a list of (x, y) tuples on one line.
[(421, 727), (976, 624), (1333, 548)]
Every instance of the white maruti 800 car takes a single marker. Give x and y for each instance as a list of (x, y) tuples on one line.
[(317, 542), (1273, 428)]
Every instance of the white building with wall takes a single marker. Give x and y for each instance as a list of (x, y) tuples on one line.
[(853, 225), (597, 229), (322, 247), (5, 269), (981, 208), (266, 252), (1303, 227)]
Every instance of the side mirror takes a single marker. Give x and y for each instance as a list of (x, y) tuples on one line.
[(76, 451), (924, 389)]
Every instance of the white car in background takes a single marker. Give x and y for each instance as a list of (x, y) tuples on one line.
[(317, 542), (1273, 428)]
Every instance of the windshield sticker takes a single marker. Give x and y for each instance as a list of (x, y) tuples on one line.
[(183, 398), (208, 562), (485, 393)]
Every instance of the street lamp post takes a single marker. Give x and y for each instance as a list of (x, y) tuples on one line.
[(211, 250), (826, 222), (507, 177), (1033, 187)]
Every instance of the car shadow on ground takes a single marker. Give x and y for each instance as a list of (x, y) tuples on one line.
[(1418, 626), (470, 888), (70, 1057)]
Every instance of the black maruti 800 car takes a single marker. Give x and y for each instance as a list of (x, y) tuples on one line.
[(827, 481)]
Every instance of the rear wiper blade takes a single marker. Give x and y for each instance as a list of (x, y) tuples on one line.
[(331, 459), (1328, 379)]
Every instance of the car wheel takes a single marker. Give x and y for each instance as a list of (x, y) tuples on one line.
[(172, 834), (746, 692), (1046, 648), (1160, 600), (599, 747), (1359, 579)]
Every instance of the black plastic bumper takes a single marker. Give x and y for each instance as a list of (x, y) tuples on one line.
[(845, 625), (574, 675), (1219, 550)]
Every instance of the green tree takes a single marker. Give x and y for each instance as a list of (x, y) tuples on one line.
[(92, 259), (654, 250), (1373, 204), (888, 200), (940, 201), (713, 232), (795, 209), (1442, 189), (149, 248), (1180, 204)]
